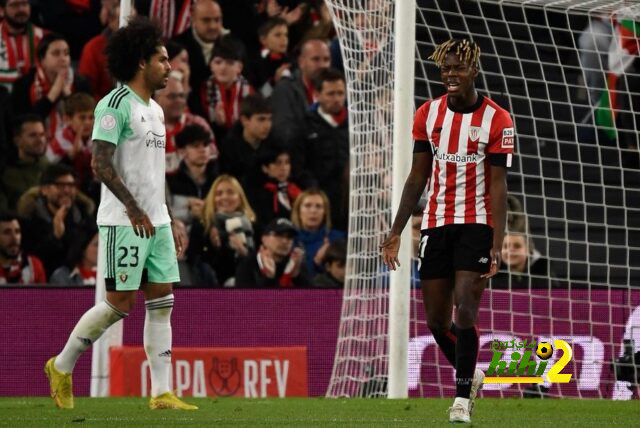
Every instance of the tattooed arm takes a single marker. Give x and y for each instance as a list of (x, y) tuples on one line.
[(102, 166)]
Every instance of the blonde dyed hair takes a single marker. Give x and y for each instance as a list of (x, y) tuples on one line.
[(467, 50), (295, 211), (210, 209)]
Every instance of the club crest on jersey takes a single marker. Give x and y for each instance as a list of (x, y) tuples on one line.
[(123, 277), (507, 138), (474, 133)]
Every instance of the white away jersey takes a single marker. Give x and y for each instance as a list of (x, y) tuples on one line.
[(137, 129)]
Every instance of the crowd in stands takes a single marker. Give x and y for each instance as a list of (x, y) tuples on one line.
[(256, 140)]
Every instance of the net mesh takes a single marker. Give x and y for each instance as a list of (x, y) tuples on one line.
[(568, 71)]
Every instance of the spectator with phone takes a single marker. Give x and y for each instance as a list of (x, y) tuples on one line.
[(226, 230)]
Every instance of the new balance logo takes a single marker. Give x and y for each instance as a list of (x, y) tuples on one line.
[(166, 353), (483, 260), (85, 341)]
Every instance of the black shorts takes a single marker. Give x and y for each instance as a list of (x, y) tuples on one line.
[(446, 249)]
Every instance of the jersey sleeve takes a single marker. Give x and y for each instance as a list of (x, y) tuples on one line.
[(110, 123), (502, 138), (420, 123)]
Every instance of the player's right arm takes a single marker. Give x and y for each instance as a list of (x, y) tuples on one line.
[(110, 126), (413, 187), (103, 169)]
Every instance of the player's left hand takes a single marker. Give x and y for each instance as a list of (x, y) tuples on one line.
[(496, 259)]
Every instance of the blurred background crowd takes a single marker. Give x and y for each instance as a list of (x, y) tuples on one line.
[(256, 142)]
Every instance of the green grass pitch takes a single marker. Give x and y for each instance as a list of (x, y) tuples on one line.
[(26, 412)]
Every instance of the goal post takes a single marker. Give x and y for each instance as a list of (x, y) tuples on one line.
[(399, 287), (575, 182)]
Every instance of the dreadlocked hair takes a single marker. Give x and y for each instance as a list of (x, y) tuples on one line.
[(468, 51)]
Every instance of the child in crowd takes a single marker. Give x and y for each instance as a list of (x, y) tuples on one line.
[(71, 143), (272, 62), (82, 263), (270, 190), (334, 261), (222, 94)]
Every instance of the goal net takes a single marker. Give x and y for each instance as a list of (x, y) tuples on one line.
[(568, 71)]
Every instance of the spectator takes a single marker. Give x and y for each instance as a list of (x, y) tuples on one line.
[(72, 143), (179, 61), (193, 271), (31, 141), (172, 99), (247, 139), (16, 266), (324, 149), (523, 267), (311, 216), (271, 191), (272, 63), (19, 38), (226, 231), (277, 264), (293, 95), (224, 91), (44, 87), (93, 61), (55, 217), (82, 265), (193, 179), (199, 40), (334, 262)]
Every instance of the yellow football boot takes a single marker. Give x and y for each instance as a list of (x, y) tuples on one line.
[(169, 401), (61, 386)]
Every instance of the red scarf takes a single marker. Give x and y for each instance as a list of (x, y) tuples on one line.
[(164, 12), (340, 117), (311, 93), (286, 280), (286, 193), (80, 5), (213, 92), (273, 56), (23, 270), (17, 52), (88, 275), (39, 89), (334, 120)]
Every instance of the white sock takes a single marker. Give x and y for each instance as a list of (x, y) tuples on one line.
[(89, 328), (157, 342), (463, 401)]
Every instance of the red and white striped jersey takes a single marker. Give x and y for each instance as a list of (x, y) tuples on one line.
[(462, 143)]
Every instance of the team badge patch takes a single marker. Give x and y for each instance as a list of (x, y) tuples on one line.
[(108, 122), (507, 138), (474, 133), (123, 277)]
